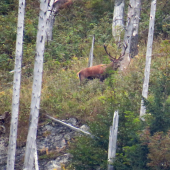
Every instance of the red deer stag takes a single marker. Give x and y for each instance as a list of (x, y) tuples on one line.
[(61, 4), (100, 71)]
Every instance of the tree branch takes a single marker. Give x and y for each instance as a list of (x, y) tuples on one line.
[(70, 126)]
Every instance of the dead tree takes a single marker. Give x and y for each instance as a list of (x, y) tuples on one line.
[(16, 87), (148, 57), (53, 7), (36, 89), (113, 141), (131, 32), (90, 63), (118, 20)]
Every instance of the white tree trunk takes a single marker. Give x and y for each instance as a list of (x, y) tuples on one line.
[(50, 20), (36, 158), (90, 63), (53, 8), (118, 19), (131, 32), (113, 141), (16, 87), (148, 57), (70, 126), (36, 89), (134, 41)]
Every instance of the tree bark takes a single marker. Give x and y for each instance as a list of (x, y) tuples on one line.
[(118, 20), (53, 8), (36, 158), (50, 20), (148, 58), (16, 87), (131, 32), (36, 89), (134, 41), (113, 141), (70, 126), (90, 63)]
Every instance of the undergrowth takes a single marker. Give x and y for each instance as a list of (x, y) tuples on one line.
[(62, 96)]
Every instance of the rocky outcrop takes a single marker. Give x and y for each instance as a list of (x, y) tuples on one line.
[(52, 141)]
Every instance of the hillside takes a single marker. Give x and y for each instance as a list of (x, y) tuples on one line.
[(93, 103)]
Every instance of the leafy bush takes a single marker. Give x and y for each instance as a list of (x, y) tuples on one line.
[(91, 153), (6, 6), (158, 145), (158, 105), (93, 103)]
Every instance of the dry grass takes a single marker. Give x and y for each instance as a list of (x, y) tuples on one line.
[(63, 97)]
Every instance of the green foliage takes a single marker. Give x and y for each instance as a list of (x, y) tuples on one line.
[(90, 153), (6, 6), (86, 149), (8, 32), (158, 145), (161, 20), (129, 126), (73, 28), (94, 102), (158, 106), (8, 38), (135, 157), (128, 143), (5, 100), (72, 34)]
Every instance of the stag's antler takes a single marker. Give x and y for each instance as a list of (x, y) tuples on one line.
[(125, 47), (112, 58), (121, 55)]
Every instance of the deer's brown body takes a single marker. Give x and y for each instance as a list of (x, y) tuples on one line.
[(61, 4), (92, 72), (101, 71), (66, 4)]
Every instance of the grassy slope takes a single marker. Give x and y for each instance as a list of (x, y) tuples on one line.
[(62, 97)]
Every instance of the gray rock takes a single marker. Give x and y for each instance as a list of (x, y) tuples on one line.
[(85, 128), (50, 137), (59, 162)]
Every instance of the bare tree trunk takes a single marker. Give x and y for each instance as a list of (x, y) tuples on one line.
[(36, 89), (148, 57), (134, 41), (131, 32), (70, 126), (36, 158), (113, 141), (50, 20), (90, 63), (53, 8), (16, 87), (118, 20)]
